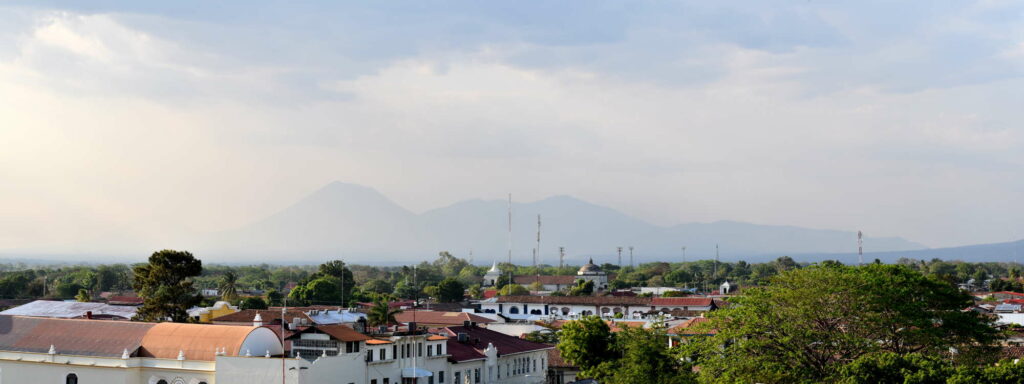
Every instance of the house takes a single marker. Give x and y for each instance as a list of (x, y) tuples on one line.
[(207, 314), (687, 329), (521, 307), (436, 319), (325, 340), (1003, 295), (479, 355), (72, 310), (559, 370), (668, 304), (294, 318)]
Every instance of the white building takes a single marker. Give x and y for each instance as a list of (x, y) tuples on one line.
[(492, 275)]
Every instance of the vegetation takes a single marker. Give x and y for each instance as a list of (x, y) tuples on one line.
[(632, 355), (832, 323), (382, 314), (165, 284)]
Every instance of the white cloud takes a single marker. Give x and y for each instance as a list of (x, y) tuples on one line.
[(119, 121)]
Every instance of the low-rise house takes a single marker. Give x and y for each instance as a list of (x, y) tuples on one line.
[(559, 370), (522, 307), (689, 328), (479, 355), (436, 319), (207, 314)]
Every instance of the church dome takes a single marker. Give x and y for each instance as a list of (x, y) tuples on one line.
[(589, 268)]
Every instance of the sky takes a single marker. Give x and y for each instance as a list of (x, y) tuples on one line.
[(142, 119)]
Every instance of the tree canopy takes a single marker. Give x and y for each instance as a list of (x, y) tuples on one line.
[(165, 284), (807, 324)]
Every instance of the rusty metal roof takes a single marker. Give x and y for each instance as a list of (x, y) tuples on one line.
[(71, 337), (197, 341)]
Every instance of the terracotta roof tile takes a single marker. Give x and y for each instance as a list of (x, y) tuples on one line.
[(478, 340), (440, 318), (378, 341), (337, 331), (682, 301), (197, 341)]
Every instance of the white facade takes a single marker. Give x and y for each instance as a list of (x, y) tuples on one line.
[(492, 275)]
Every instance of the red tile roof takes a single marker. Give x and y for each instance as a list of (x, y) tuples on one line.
[(479, 338), (682, 301), (336, 331), (1009, 293), (490, 293), (440, 318), (555, 359), (687, 327)]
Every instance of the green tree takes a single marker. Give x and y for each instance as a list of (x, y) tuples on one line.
[(228, 287), (645, 358), (165, 285), (888, 367), (809, 322), (582, 288), (586, 343), (475, 291), (338, 270), (451, 290), (274, 298), (513, 290), (83, 296), (378, 286), (382, 314), (320, 291), (252, 302)]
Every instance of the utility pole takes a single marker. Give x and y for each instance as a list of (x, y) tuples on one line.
[(620, 256), (860, 248), (631, 256), (509, 239), (716, 265)]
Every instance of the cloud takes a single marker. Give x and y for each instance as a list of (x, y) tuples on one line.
[(163, 118)]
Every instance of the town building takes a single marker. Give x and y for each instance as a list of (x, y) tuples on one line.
[(480, 355), (437, 319), (207, 314)]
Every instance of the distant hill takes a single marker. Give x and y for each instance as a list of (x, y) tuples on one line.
[(360, 224), (997, 252)]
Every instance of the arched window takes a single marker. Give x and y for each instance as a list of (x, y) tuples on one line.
[(605, 310), (513, 310), (162, 381), (565, 310), (71, 379)]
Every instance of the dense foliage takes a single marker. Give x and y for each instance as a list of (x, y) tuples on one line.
[(816, 324), (165, 284)]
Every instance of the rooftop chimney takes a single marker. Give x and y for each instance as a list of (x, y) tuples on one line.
[(257, 321)]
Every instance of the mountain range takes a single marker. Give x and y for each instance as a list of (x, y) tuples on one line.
[(360, 224)]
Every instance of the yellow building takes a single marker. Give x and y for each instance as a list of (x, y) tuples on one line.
[(205, 315)]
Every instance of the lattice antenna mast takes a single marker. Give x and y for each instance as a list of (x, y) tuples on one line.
[(631, 256), (509, 239), (536, 255), (561, 258), (860, 248), (620, 256), (713, 278), (684, 254)]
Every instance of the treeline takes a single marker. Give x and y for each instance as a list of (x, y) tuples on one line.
[(826, 323), (65, 282)]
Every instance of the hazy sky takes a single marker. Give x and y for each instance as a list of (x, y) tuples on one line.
[(123, 119)]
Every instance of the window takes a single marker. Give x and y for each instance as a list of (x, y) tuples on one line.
[(387, 380), (430, 380), (352, 347), (374, 381), (369, 356), (458, 377), (158, 382), (394, 351), (440, 377), (439, 351), (430, 350), (513, 310), (73, 379), (534, 364), (383, 352), (419, 349), (476, 375)]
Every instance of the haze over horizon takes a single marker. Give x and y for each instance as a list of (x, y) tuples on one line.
[(143, 121)]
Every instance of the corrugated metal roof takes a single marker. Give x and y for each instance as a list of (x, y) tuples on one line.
[(72, 337), (197, 341), (69, 309)]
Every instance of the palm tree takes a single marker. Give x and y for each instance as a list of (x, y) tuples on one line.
[(229, 287), (382, 314)]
